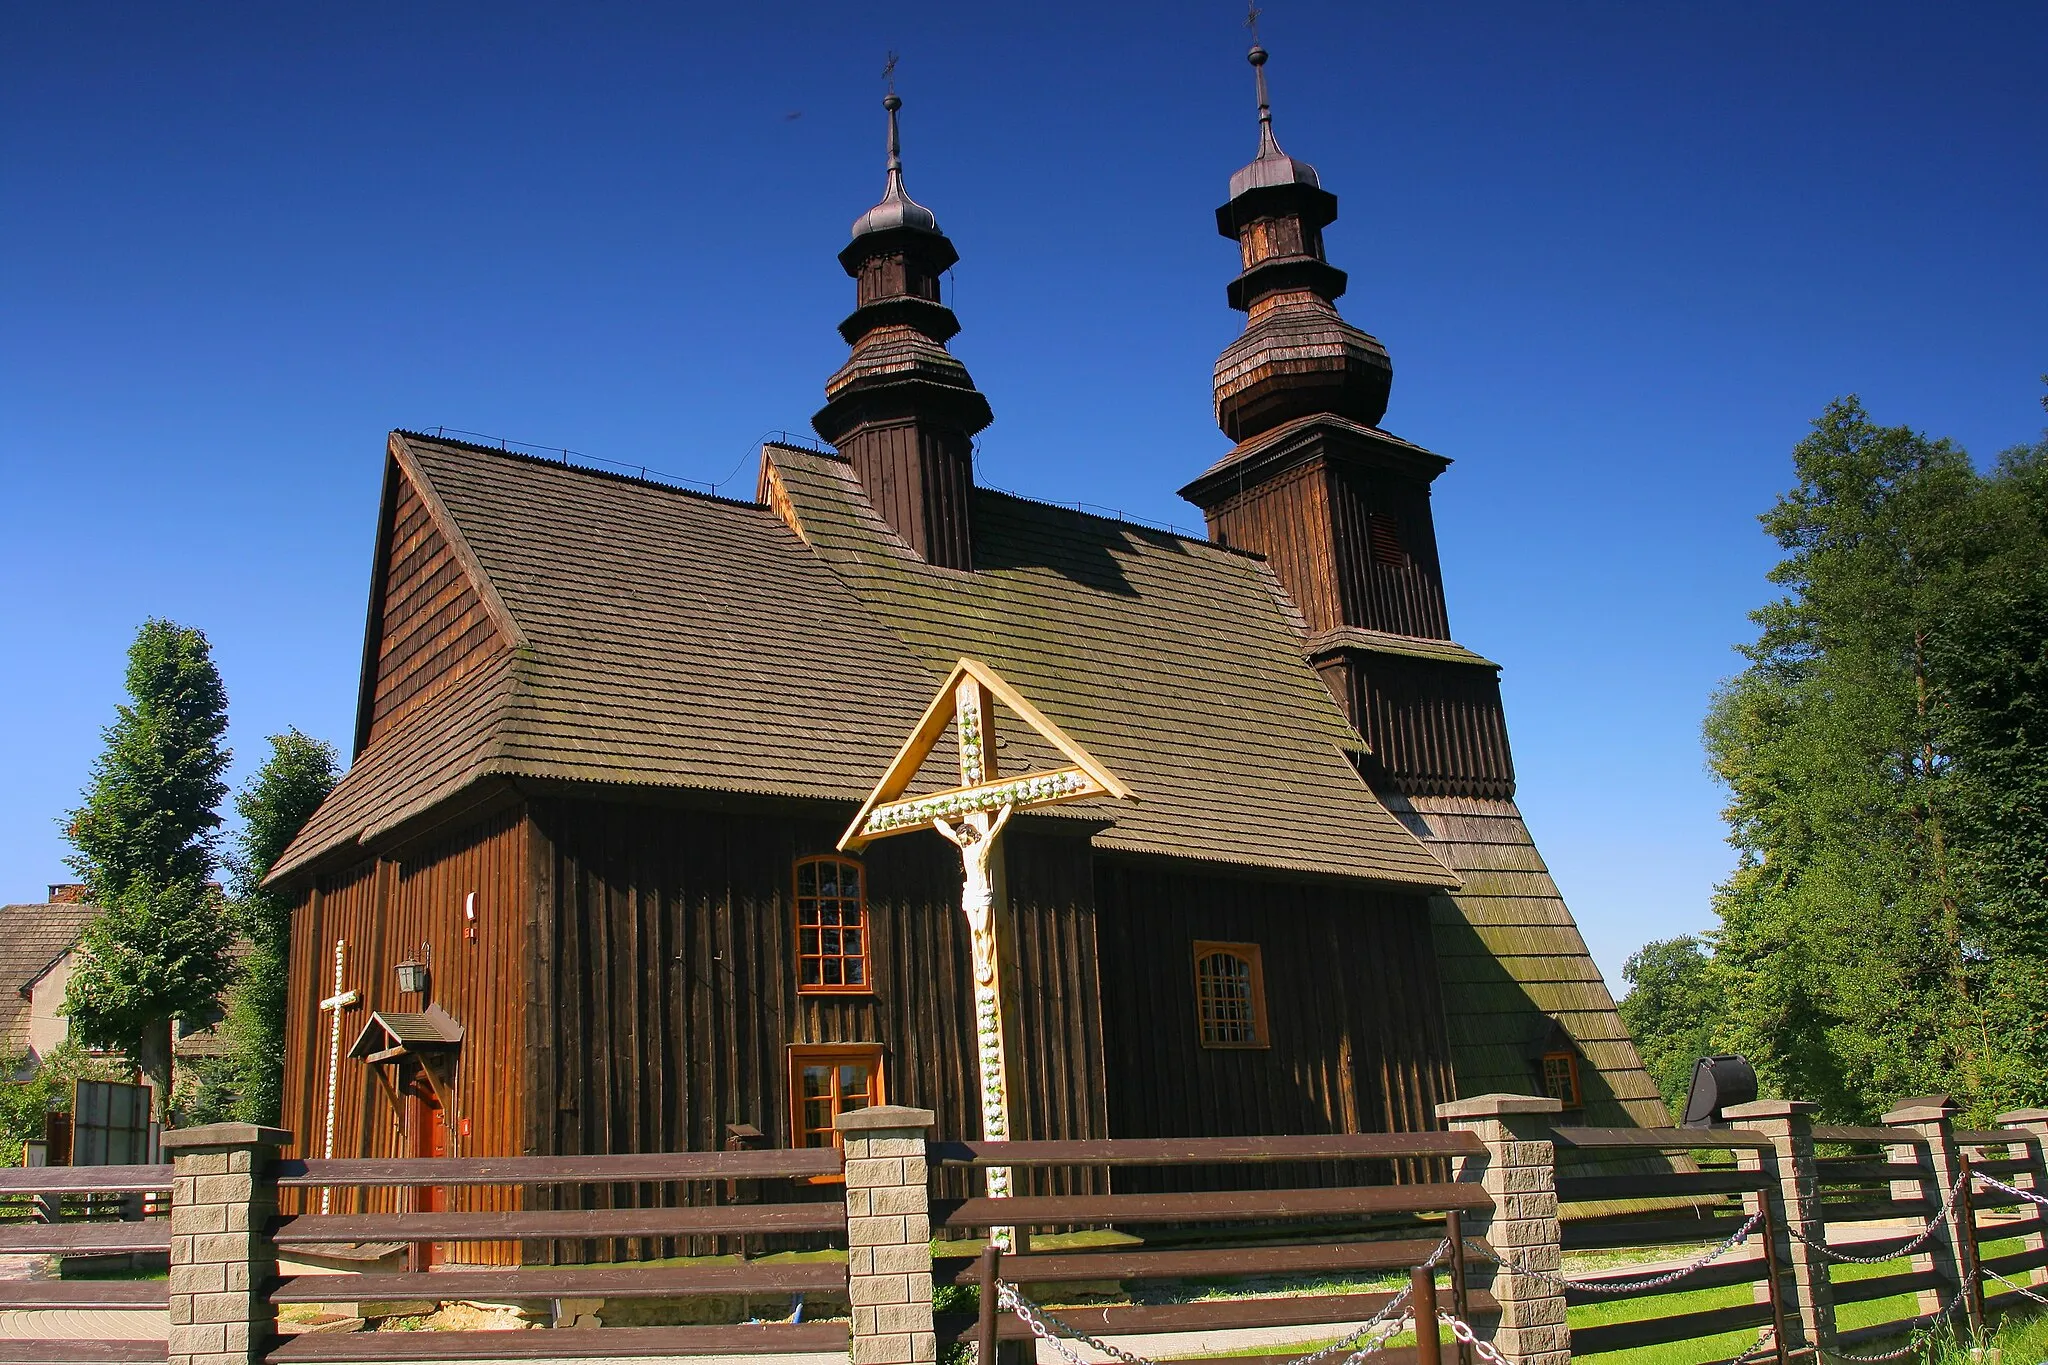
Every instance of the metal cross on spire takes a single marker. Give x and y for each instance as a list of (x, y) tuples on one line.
[(1268, 145), (889, 72)]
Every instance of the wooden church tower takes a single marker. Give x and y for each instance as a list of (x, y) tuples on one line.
[(1338, 507)]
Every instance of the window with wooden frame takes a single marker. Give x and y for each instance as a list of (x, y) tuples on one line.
[(827, 1080), (1561, 1077), (831, 926), (1230, 995)]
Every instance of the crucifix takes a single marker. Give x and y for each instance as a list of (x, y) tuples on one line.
[(333, 1005), (971, 817)]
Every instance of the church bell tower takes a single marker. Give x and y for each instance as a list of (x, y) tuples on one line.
[(901, 409), (1339, 508)]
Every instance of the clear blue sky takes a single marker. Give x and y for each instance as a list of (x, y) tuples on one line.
[(1621, 255)]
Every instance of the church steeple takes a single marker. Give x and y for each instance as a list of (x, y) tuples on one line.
[(1297, 356), (902, 409), (1339, 508)]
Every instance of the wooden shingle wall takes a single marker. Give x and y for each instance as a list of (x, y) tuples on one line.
[(431, 627), (1354, 1012), (1385, 552)]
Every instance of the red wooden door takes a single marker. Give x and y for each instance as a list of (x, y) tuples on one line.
[(426, 1125)]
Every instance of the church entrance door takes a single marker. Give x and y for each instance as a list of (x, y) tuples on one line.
[(426, 1126)]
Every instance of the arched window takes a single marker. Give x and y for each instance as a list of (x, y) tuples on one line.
[(1230, 995), (831, 926)]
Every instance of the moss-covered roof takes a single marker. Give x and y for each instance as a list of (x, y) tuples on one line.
[(1170, 659), (661, 638)]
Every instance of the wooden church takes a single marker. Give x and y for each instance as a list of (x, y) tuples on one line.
[(583, 889)]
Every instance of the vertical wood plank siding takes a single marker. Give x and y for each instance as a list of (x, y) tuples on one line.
[(386, 911), (431, 626), (921, 483), (1404, 596), (1435, 728), (670, 965), (1287, 519), (1354, 1008), (1312, 524)]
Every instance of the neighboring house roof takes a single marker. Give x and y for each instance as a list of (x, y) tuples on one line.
[(33, 939), (665, 638)]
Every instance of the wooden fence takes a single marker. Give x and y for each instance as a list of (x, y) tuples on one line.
[(1799, 1205), (1318, 1229)]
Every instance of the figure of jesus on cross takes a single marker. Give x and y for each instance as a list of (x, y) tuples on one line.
[(971, 817)]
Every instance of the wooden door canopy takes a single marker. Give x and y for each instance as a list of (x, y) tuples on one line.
[(391, 1038), (885, 812)]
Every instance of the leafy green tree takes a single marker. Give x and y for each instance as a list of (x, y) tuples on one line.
[(155, 953), (145, 841), (1884, 769), (1673, 1006), (274, 806), (152, 804)]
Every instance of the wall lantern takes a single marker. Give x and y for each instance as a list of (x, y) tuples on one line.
[(412, 977)]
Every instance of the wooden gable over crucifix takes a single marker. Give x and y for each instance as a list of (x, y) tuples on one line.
[(967, 697), (971, 816)]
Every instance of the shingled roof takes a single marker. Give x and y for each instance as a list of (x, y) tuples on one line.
[(32, 939), (669, 639), (1172, 660), (663, 638)]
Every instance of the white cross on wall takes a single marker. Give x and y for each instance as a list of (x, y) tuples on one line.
[(334, 1005)]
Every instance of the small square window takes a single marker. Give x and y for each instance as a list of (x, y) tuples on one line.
[(827, 1080)]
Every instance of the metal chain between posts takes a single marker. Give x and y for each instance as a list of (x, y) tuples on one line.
[(1468, 1335), (1734, 1239), (2023, 1290), (1763, 1341), (1359, 1343), (1373, 1335), (2031, 1195), (1919, 1338), (1919, 1239)]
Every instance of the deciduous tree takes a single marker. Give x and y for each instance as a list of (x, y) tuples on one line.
[(274, 806), (145, 840)]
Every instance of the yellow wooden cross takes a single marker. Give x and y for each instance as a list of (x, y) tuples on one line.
[(971, 816)]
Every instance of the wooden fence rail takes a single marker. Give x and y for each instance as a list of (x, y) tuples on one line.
[(1489, 1186)]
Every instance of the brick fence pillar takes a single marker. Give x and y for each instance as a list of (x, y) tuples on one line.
[(2030, 1134), (1945, 1254), (888, 1235), (1519, 1169), (223, 1195), (1793, 1199)]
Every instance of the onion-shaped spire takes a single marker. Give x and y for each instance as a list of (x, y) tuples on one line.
[(1272, 166), (897, 209)]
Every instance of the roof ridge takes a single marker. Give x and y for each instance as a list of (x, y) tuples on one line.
[(1156, 528), (549, 462)]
